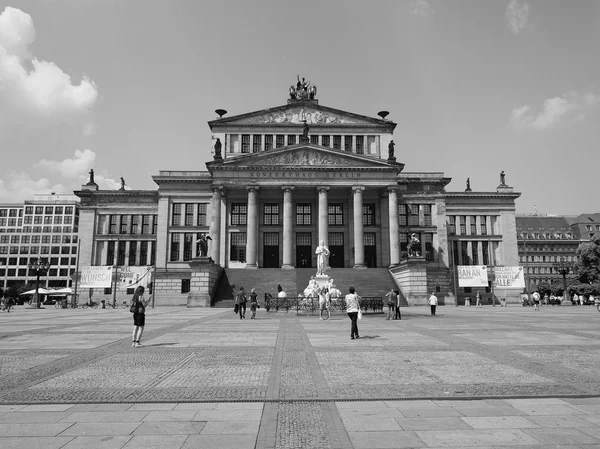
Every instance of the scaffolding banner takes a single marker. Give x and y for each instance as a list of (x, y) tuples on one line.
[(95, 277), (509, 277), (472, 276), (131, 277)]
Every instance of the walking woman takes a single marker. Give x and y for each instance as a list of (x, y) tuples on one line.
[(240, 300), (139, 316), (352, 308), (253, 303)]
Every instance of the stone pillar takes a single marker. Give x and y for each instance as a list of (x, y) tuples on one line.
[(252, 227), (215, 225), (204, 276), (287, 227), (323, 215), (394, 229), (359, 247)]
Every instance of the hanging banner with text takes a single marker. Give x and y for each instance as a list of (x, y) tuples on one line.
[(131, 277), (95, 277), (509, 277), (472, 276)]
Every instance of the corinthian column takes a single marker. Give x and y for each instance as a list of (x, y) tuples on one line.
[(287, 227), (252, 227), (359, 247), (323, 214), (215, 225), (394, 229)]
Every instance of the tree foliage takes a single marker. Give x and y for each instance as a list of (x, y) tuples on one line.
[(544, 288), (587, 268)]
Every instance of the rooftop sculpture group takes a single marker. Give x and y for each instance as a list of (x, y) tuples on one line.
[(303, 90)]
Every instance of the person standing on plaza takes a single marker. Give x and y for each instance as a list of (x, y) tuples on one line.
[(433, 302), (536, 301), (398, 316), (575, 299), (253, 303), (352, 309), (240, 300), (139, 316), (324, 302), (478, 300), (546, 298), (391, 303)]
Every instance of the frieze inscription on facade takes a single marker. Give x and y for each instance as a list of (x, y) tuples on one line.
[(303, 175), (300, 114)]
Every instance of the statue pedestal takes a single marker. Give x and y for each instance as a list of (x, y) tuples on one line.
[(322, 280), (203, 283), (412, 276)]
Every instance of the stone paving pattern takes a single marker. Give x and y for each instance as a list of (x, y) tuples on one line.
[(488, 378)]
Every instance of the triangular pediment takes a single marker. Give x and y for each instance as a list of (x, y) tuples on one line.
[(305, 156), (296, 113)]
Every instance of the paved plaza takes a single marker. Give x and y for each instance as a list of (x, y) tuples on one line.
[(467, 378)]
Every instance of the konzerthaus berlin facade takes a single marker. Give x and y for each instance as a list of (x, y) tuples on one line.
[(285, 178)]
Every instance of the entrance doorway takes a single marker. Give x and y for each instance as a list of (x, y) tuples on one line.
[(304, 250), (271, 250), (336, 249), (370, 250)]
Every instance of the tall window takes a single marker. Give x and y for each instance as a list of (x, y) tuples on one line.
[(451, 224), (154, 224), (368, 214), (120, 253), (348, 143), (271, 214), (268, 142), (153, 254), (404, 237), (135, 224), (238, 247), (175, 246), (256, 143), (402, 215), (112, 228), (291, 139), (238, 213), (473, 224), (337, 142), (466, 260), (483, 225), (133, 253), (335, 214), (279, 141), (314, 139), (189, 215), (326, 141), (485, 249), (188, 241), (143, 253), (146, 224), (245, 143), (428, 246), (426, 214), (303, 214), (463, 224), (413, 215), (124, 228), (360, 144), (202, 214), (475, 251), (176, 215)]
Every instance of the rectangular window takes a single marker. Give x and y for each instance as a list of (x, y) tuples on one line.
[(369, 239), (45, 250), (337, 142), (39, 210), (135, 224), (146, 224), (68, 210), (451, 225), (336, 238), (238, 214), (185, 285), (360, 144), (121, 253), (475, 251), (188, 243), (143, 253), (466, 260), (268, 142), (25, 239), (426, 214), (326, 141), (314, 139), (28, 220), (56, 229), (368, 212), (47, 220), (245, 143), (486, 253), (15, 239), (48, 210), (58, 219), (402, 215), (279, 141), (238, 247), (256, 143), (45, 239), (473, 224), (413, 215), (154, 224), (24, 250), (68, 219), (303, 214), (335, 214), (28, 209), (202, 207), (110, 253), (132, 253), (38, 219), (56, 239), (271, 239), (463, 224), (175, 246), (271, 214), (483, 225), (64, 261), (189, 215), (176, 215), (58, 210), (112, 227), (348, 143), (291, 139), (404, 238), (124, 228)]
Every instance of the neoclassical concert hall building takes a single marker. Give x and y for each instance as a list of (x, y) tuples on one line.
[(285, 178)]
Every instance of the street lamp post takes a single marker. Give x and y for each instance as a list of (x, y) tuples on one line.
[(38, 266), (563, 267)]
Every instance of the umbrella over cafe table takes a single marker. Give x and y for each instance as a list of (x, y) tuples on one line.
[(41, 291)]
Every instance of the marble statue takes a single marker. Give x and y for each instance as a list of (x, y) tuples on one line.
[(322, 253)]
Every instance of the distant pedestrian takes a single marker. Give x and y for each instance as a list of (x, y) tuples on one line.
[(536, 301), (391, 295), (575, 299), (398, 315), (546, 299), (240, 300), (139, 316), (467, 302), (324, 303), (478, 300), (582, 299), (433, 302), (253, 303), (352, 308)]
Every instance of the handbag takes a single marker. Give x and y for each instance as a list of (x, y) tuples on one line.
[(133, 307), (359, 314), (236, 308)]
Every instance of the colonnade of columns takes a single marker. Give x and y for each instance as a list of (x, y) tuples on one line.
[(253, 215)]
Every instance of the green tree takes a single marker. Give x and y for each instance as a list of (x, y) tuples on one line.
[(587, 268), (544, 288)]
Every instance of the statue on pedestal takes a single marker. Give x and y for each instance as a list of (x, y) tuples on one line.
[(502, 178), (91, 177), (322, 253), (468, 189), (202, 245), (122, 184), (218, 150), (414, 245), (391, 151)]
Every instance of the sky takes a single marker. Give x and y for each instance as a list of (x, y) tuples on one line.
[(127, 87)]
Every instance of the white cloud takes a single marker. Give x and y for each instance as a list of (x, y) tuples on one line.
[(20, 186), (570, 107), (71, 168), (420, 8), (517, 15), (43, 92)]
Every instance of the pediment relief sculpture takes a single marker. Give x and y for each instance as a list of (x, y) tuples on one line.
[(300, 114), (304, 158)]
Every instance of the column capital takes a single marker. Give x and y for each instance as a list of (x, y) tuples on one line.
[(358, 188), (218, 188), (250, 188), (321, 188), (392, 189), (286, 188)]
